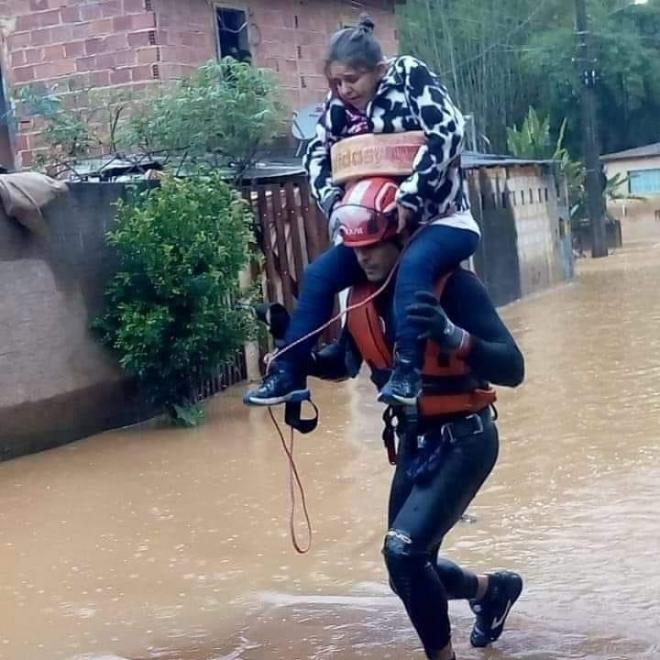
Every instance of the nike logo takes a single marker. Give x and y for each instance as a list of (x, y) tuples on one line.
[(498, 622)]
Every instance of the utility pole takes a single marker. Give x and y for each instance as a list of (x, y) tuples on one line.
[(593, 183)]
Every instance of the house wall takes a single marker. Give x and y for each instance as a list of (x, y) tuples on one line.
[(137, 43), (288, 36), (56, 382), (526, 242), (640, 219)]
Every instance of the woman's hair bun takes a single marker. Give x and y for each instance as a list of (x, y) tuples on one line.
[(366, 23)]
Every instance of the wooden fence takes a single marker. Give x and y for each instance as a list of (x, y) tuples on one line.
[(517, 207), (291, 232)]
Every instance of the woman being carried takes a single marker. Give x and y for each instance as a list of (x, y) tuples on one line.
[(371, 95)]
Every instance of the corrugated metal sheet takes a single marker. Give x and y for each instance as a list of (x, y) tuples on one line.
[(647, 151)]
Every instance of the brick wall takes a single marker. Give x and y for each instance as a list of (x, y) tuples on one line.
[(288, 36), (119, 43), (95, 43)]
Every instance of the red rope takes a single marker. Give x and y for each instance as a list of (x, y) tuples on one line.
[(294, 479), (269, 357)]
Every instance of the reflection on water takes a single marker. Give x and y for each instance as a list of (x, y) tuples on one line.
[(161, 543)]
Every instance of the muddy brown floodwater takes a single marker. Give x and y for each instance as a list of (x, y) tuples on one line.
[(160, 543)]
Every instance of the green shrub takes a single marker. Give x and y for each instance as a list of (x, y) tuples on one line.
[(221, 114), (172, 317)]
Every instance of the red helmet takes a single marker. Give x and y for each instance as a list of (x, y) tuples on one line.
[(367, 213)]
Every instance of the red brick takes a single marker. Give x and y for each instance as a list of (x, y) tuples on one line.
[(22, 143), (27, 22), (25, 158), (107, 44), (70, 14), (54, 69), (272, 17), (272, 64), (101, 27), (316, 82), (276, 34), (74, 49), (23, 74), (308, 20), (179, 55), (34, 140), (26, 124), (111, 8), (118, 41), (18, 58), (308, 38), (137, 39), (18, 40), (189, 38), (42, 37), (174, 71), (288, 19), (49, 18), (90, 12), (39, 5), (61, 34), (93, 46), (79, 31), (141, 73), (117, 59), (120, 76), (100, 79), (86, 63), (163, 38), (32, 55), (144, 21), (133, 6), (149, 55), (290, 66), (52, 53), (289, 80), (311, 67), (122, 23), (285, 50)]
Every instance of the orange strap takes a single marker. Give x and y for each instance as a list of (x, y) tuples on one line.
[(366, 328), (431, 405)]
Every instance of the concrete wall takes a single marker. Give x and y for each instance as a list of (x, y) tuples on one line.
[(56, 383), (639, 218), (137, 43), (526, 242)]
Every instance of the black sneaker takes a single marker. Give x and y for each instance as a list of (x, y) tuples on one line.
[(404, 385), (504, 588), (280, 385)]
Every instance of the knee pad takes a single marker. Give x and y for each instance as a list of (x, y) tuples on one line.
[(404, 562)]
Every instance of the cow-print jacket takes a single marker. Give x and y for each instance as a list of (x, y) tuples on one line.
[(409, 98)]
